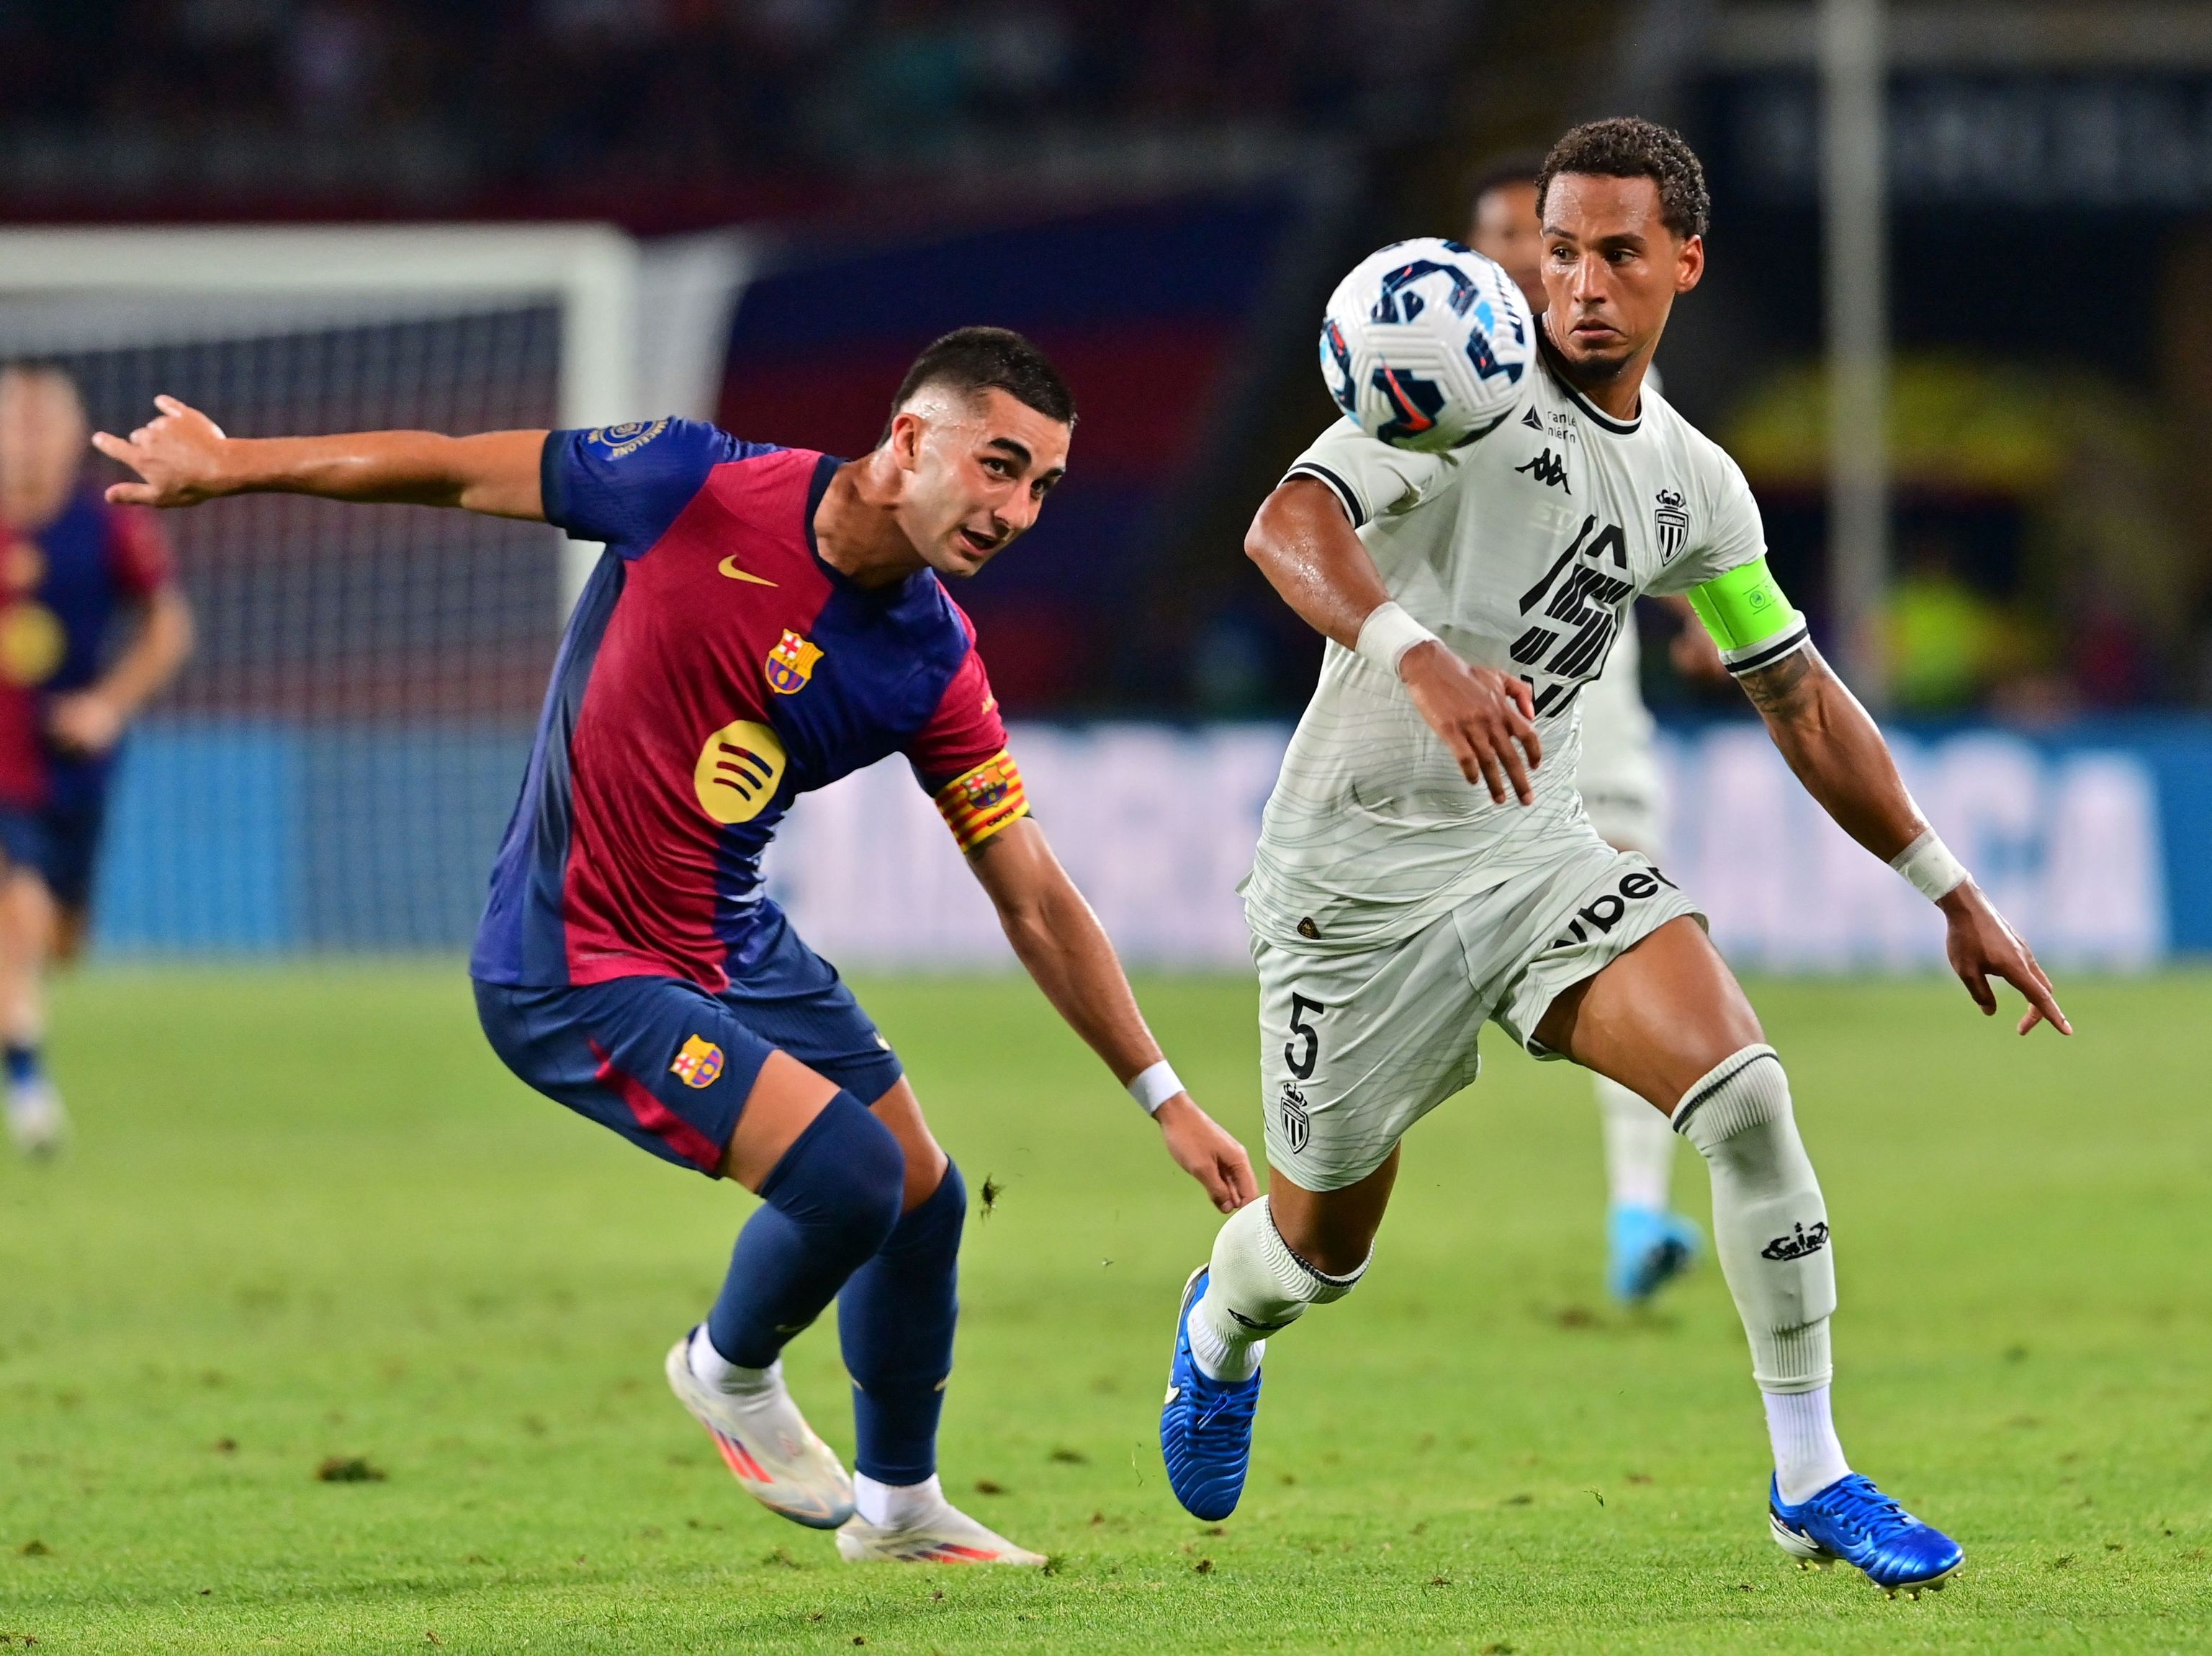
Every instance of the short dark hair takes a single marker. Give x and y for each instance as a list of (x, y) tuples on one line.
[(972, 361), (1514, 167), (1629, 147)]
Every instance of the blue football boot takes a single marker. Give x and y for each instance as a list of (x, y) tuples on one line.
[(1206, 1425), (1852, 1520), (1648, 1248)]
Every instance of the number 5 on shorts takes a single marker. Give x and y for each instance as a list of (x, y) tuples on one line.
[(1303, 1066)]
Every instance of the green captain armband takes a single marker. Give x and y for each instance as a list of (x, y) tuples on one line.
[(1748, 617)]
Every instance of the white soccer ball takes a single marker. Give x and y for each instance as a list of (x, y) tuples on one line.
[(1426, 342)]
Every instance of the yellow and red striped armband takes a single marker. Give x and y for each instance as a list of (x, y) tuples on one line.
[(978, 803)]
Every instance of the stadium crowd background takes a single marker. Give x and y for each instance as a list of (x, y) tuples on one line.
[(1159, 190)]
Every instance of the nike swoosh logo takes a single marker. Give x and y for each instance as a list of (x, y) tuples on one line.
[(729, 567)]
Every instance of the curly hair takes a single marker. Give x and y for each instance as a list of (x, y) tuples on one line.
[(1629, 147)]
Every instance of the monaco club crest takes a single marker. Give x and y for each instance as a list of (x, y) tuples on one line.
[(790, 664), (1672, 520)]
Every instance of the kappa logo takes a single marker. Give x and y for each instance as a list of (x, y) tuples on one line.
[(1670, 516), (790, 664), (1547, 471), (1609, 908), (699, 1063), (1798, 1243), (1255, 1325), (1297, 1126)]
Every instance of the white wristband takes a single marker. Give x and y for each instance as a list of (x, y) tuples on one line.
[(1387, 633), (1154, 1087), (1928, 866)]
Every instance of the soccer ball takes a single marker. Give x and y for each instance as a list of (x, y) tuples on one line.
[(1423, 344)]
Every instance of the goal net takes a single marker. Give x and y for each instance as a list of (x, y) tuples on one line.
[(333, 768)]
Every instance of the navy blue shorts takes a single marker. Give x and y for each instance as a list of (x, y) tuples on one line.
[(60, 842), (669, 1065), (23, 838), (72, 829)]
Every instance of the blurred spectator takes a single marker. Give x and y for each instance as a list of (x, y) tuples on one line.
[(284, 100), (1948, 645), (2086, 581)]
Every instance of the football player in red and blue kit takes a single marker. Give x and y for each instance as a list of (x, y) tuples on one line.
[(764, 621), (92, 625)]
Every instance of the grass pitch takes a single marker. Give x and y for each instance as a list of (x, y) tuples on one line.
[(309, 1222)]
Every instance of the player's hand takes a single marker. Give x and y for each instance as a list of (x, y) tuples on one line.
[(1982, 946), (86, 722), (178, 454), (1485, 717), (1207, 1153)]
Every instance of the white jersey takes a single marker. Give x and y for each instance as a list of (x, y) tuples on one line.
[(1524, 551), (1618, 774)]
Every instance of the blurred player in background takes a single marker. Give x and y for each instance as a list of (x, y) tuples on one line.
[(1647, 1243), (92, 625), (763, 621)]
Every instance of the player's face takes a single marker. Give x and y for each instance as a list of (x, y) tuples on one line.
[(1611, 268), (1505, 228), (42, 444), (977, 470)]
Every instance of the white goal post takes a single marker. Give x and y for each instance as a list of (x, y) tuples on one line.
[(332, 770), (641, 331)]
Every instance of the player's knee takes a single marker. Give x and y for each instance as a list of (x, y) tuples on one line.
[(846, 1172), (932, 1225)]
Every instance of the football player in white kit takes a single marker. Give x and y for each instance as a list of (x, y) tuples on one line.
[(1647, 1244), (1425, 864)]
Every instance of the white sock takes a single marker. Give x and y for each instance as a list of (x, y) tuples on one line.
[(1807, 1456), (1639, 1147), (1258, 1285), (895, 1506), (1224, 1359), (717, 1372)]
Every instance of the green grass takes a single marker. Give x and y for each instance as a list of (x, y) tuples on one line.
[(308, 1216)]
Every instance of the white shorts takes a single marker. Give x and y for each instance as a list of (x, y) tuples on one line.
[(1356, 1045)]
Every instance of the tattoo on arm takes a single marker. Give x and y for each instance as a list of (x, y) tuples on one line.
[(1785, 687)]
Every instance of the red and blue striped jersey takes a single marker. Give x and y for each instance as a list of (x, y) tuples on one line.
[(714, 669)]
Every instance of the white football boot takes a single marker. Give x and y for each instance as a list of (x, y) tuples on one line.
[(943, 1535), (36, 1120), (767, 1446)]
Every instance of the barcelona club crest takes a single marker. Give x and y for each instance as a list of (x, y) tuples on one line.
[(1673, 522), (699, 1063), (790, 664)]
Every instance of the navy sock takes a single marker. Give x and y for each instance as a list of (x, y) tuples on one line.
[(22, 1063), (829, 1203), (894, 1319)]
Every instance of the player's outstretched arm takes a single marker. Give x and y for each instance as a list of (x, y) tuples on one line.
[(1060, 943), (182, 458), (1839, 754), (1305, 546)]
